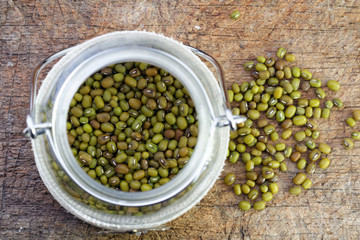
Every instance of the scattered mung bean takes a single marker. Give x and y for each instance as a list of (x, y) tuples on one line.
[(235, 15)]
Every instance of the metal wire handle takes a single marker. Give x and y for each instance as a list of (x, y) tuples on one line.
[(228, 119), (34, 129)]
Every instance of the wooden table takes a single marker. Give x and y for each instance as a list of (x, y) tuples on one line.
[(325, 37)]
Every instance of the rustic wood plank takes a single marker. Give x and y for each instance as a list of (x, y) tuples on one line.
[(323, 34)]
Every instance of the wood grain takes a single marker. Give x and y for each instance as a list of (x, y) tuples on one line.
[(325, 37)]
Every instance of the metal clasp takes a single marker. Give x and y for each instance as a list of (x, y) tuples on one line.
[(33, 130), (228, 119)]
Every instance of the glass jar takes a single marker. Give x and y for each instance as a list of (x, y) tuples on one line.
[(72, 187)]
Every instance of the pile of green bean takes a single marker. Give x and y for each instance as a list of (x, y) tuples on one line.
[(132, 126), (277, 111)]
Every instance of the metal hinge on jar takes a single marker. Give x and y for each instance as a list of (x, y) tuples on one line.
[(33, 130), (229, 120)]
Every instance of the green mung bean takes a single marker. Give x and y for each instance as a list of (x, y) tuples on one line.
[(287, 74), (280, 106), (235, 15), (283, 167), (317, 112), (325, 113), (295, 95), (338, 103), (333, 85), (270, 62), (301, 164), (306, 74), (355, 135), (280, 116), (320, 93), (286, 124), (281, 52), (315, 134), (290, 111), (280, 74), (229, 179), (260, 67), (310, 168), (356, 115), (253, 194), (309, 112), (351, 122), (244, 205), (259, 205), (329, 104), (290, 57), (286, 133), (274, 188), (314, 155), (245, 189), (299, 120), (303, 102), (324, 163), (316, 83), (271, 112), (324, 148), (306, 184), (348, 143), (237, 189), (296, 72), (274, 136), (314, 103), (296, 190)]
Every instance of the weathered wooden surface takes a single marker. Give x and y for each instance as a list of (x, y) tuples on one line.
[(324, 35)]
